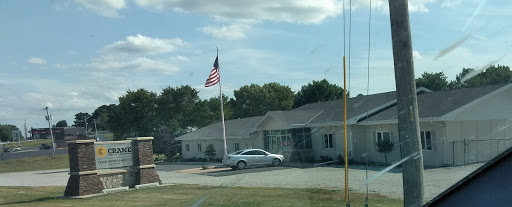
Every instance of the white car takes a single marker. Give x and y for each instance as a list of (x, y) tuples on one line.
[(15, 149), (241, 159)]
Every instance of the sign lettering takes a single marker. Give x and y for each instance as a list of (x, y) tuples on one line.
[(113, 155)]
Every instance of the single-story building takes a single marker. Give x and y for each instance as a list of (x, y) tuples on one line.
[(457, 127)]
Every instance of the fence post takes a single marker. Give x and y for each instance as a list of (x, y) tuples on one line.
[(497, 143), (453, 153), (465, 151)]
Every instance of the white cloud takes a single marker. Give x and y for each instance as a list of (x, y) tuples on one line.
[(234, 31), (142, 45), (179, 58), (107, 8), (295, 11), (419, 5), (37, 61), (137, 64)]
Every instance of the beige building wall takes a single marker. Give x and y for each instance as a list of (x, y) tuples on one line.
[(318, 144), (244, 143), (436, 156), (368, 148), (365, 143)]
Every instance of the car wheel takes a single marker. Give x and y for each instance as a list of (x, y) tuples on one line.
[(276, 162), (241, 165)]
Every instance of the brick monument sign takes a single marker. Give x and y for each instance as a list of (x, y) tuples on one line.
[(98, 166)]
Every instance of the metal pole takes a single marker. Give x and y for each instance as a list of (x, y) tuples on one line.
[(453, 153), (96, 130), (408, 120), (345, 130), (222, 110), (51, 132), (26, 129), (19, 138), (86, 127)]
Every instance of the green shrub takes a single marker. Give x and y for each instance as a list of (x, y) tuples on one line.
[(159, 157)]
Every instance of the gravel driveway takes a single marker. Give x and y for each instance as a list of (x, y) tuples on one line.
[(389, 184)]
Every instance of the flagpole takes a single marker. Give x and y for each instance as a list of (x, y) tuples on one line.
[(222, 111)]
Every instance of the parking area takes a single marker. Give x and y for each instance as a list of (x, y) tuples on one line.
[(328, 177)]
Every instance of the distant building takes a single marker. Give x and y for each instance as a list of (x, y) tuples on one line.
[(61, 134)]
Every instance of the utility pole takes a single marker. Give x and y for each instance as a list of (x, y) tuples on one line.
[(407, 105), (96, 130), (86, 126), (49, 118), (26, 128)]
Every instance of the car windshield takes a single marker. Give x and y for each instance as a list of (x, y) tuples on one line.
[(357, 101)]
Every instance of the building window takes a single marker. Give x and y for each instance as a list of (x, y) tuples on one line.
[(277, 139), (199, 148), (384, 136), (328, 142), (426, 140), (299, 138), (237, 146), (187, 147)]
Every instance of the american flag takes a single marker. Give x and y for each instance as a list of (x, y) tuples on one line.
[(214, 77)]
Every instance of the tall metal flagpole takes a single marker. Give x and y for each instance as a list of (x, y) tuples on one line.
[(222, 109)]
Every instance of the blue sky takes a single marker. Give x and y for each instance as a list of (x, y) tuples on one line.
[(74, 56)]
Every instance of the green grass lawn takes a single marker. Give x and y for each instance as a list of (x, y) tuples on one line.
[(29, 143), (46, 162), (188, 195)]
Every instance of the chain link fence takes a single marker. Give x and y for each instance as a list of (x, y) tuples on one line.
[(476, 151)]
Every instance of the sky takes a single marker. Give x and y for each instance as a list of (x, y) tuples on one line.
[(76, 55)]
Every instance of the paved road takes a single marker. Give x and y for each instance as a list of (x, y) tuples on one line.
[(31, 152)]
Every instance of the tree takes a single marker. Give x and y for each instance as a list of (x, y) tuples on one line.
[(166, 144), (180, 109), (210, 152), (385, 146), (6, 132), (62, 123), (210, 110), (281, 97), (214, 107), (81, 119), (432, 81), (492, 75), (254, 100), (318, 91), (101, 115), (134, 116)]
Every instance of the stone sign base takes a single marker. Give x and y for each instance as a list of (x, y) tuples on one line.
[(85, 179)]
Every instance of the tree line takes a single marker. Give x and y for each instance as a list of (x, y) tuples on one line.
[(495, 74)]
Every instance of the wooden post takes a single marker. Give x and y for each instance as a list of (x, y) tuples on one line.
[(408, 124)]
